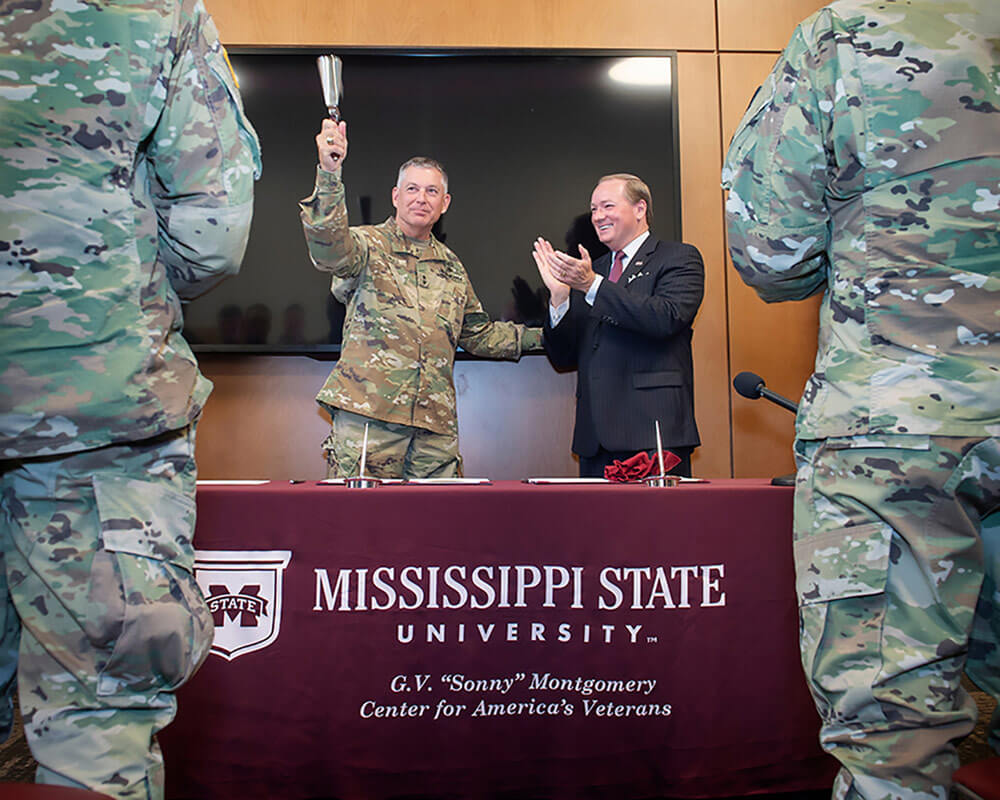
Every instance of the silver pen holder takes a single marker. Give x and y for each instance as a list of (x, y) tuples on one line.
[(359, 482)]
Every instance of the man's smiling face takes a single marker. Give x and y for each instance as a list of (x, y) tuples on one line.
[(616, 220)]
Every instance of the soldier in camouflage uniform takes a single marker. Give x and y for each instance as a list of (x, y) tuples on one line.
[(126, 185), (868, 168), (409, 305)]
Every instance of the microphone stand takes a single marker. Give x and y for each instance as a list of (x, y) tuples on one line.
[(784, 480)]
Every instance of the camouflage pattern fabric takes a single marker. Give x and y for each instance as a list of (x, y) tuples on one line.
[(409, 306), (897, 556), (10, 630), (99, 566), (126, 184), (394, 451), (867, 167)]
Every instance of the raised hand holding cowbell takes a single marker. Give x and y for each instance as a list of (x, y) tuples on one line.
[(331, 142)]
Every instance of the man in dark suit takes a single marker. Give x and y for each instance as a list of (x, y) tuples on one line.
[(624, 322)]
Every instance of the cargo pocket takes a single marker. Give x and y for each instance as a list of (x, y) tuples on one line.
[(449, 316), (840, 581), (161, 624)]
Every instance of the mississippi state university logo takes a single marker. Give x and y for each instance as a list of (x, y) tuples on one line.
[(243, 591)]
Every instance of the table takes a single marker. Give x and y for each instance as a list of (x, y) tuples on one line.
[(508, 640)]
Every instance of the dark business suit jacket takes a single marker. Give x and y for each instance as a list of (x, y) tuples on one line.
[(632, 351)]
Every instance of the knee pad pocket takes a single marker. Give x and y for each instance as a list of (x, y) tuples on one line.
[(841, 583), (164, 628)]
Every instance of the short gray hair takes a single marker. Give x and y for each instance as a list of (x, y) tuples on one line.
[(635, 190), (423, 161)]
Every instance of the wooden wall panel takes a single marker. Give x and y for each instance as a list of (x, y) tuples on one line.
[(757, 25), (261, 420), (701, 217), (674, 24)]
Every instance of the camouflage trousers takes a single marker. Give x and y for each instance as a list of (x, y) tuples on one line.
[(97, 564), (897, 556), (394, 451)]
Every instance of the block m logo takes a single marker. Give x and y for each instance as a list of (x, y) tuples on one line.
[(248, 619), (247, 604)]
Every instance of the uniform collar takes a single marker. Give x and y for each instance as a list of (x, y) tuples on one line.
[(434, 251)]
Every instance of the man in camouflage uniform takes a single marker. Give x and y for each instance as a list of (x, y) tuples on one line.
[(126, 185), (867, 168), (409, 305)]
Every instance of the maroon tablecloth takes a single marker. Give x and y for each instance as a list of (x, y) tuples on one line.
[(513, 640)]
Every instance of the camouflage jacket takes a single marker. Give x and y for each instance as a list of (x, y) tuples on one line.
[(126, 183), (867, 167), (408, 308)]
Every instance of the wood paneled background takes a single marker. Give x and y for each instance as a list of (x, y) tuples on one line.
[(515, 420)]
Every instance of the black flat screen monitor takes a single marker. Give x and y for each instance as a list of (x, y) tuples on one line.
[(524, 136)]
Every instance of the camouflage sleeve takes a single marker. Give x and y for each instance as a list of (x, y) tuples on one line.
[(481, 336), (532, 341), (775, 171), (201, 161), (333, 246)]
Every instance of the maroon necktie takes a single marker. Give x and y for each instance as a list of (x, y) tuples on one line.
[(616, 268)]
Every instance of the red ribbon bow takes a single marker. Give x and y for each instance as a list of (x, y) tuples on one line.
[(639, 466)]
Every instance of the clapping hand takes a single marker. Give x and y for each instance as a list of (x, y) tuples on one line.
[(544, 257), (576, 273)]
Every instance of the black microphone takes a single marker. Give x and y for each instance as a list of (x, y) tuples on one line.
[(750, 385)]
